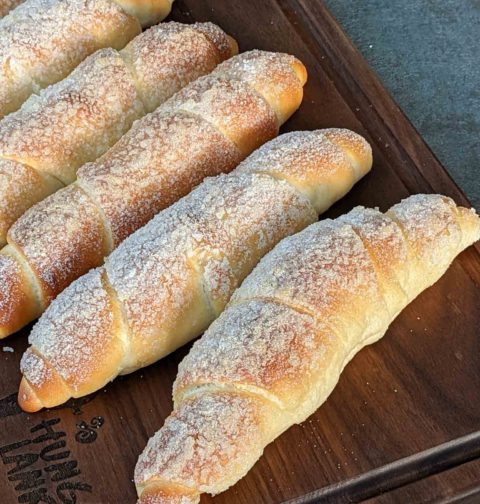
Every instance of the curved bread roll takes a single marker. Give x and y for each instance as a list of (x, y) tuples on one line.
[(277, 351), (76, 120), (165, 284), (7, 5), (205, 129), (42, 41)]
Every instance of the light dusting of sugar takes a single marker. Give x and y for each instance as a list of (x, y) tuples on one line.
[(75, 120), (168, 56), (11, 288), (224, 226), (157, 162), (231, 106), (61, 237), (430, 224), (260, 344), (322, 270), (311, 161), (145, 171), (74, 332), (35, 369), (202, 442), (19, 184), (44, 40), (270, 74)]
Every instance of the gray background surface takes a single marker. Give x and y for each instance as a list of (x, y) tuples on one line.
[(427, 53)]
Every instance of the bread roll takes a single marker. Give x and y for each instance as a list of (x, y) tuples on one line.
[(205, 129), (165, 284), (42, 41), (75, 121), (277, 351)]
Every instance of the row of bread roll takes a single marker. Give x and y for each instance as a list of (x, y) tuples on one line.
[(70, 123), (205, 129), (42, 41), (167, 282), (277, 351)]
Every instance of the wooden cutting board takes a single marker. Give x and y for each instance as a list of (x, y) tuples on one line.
[(406, 412)]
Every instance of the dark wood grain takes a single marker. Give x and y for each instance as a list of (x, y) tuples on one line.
[(405, 409), (459, 485)]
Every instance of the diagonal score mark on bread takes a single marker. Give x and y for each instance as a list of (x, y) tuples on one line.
[(277, 351), (192, 256), (204, 130)]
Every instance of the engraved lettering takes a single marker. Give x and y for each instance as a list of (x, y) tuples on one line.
[(28, 480), (71, 498), (21, 461), (47, 456), (36, 497), (63, 470), (46, 425), (26, 472)]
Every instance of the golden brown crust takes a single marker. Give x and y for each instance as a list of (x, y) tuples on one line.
[(295, 322), (61, 238), (156, 493), (76, 120), (20, 188), (148, 12), (43, 41), (228, 224), (150, 168), (324, 166), (95, 353), (18, 299), (192, 255), (206, 441)]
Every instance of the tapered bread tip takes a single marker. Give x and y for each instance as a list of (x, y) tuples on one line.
[(355, 147), (27, 398), (161, 494), (470, 224), (233, 45), (300, 71)]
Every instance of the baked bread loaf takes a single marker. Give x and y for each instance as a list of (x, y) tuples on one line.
[(277, 351), (42, 41), (165, 284), (205, 129), (75, 121), (7, 5)]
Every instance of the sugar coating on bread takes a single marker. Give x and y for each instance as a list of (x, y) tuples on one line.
[(165, 58), (263, 347), (216, 230), (74, 121), (192, 255), (43, 40), (61, 234), (329, 156), (75, 361), (147, 171), (78, 119), (232, 107), (202, 441), (290, 329)]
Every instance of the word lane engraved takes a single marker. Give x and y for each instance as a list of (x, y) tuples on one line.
[(42, 458)]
